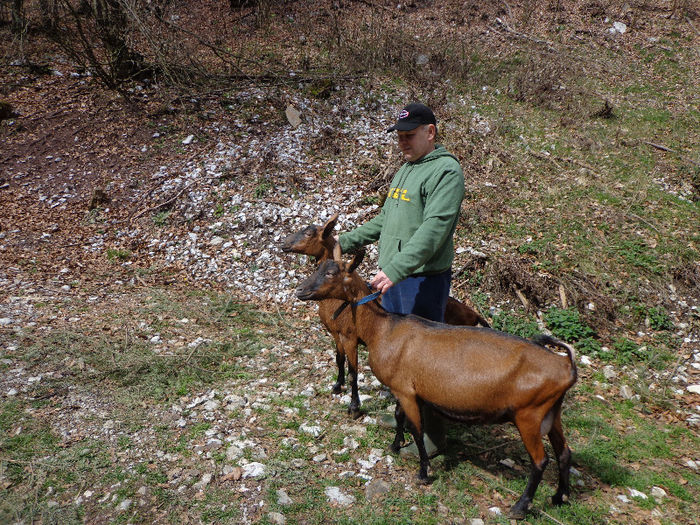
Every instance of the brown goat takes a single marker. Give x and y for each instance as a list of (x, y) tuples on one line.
[(473, 375), (319, 242)]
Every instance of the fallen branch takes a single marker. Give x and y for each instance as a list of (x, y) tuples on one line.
[(158, 206), (524, 36), (669, 150), (659, 146)]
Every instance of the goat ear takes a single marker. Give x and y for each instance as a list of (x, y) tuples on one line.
[(357, 259), (330, 226), (337, 253)]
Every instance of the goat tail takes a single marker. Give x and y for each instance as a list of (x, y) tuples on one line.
[(542, 340)]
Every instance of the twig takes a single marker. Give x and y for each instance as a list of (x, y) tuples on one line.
[(669, 150), (687, 19), (478, 452), (562, 297), (491, 477), (523, 299), (524, 36), (644, 221), (510, 13), (659, 146), (169, 201)]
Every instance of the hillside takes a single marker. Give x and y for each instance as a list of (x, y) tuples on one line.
[(147, 316)]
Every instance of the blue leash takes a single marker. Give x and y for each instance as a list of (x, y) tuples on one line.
[(370, 297)]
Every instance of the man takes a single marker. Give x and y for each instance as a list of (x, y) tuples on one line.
[(415, 229)]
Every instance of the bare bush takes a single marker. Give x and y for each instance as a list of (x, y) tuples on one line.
[(375, 41), (542, 79)]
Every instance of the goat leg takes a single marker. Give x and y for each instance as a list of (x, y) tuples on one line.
[(354, 406), (562, 495), (350, 351), (400, 417), (529, 425), (412, 409), (563, 455), (340, 362), (519, 510)]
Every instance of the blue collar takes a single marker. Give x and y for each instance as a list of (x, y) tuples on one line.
[(364, 300)]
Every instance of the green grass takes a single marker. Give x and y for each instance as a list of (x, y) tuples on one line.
[(615, 445)]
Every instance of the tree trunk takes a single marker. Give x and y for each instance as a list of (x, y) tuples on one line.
[(17, 18), (112, 21), (49, 14)]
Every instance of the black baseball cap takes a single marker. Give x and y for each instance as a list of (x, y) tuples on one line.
[(412, 116)]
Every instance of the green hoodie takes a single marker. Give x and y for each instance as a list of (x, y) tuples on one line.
[(418, 219)]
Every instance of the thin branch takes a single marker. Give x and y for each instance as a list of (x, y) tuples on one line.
[(162, 204), (666, 148)]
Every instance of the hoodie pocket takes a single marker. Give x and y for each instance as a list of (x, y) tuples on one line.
[(389, 246)]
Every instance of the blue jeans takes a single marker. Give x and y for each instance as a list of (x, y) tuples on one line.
[(424, 295)]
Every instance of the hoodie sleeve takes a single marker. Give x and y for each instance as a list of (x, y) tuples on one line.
[(362, 235), (444, 196)]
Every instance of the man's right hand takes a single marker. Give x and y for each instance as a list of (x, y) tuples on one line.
[(381, 282)]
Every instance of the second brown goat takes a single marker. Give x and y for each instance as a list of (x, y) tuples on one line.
[(319, 242), (473, 375)]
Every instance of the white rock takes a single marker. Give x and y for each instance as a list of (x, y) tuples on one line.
[(476, 521), (12, 392), (618, 28), (188, 139), (496, 511), (253, 470), (314, 430), (124, 505), (626, 392), (350, 442), (695, 389), (234, 452), (283, 498), (507, 462), (335, 495), (658, 492), (293, 116), (623, 498), (585, 360), (203, 482), (211, 405), (636, 494), (5, 321), (276, 518)]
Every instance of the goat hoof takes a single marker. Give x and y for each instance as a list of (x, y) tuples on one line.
[(337, 388), (517, 512), (560, 499), (424, 479), (354, 412)]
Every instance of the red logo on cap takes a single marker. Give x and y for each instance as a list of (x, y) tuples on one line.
[(403, 114)]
